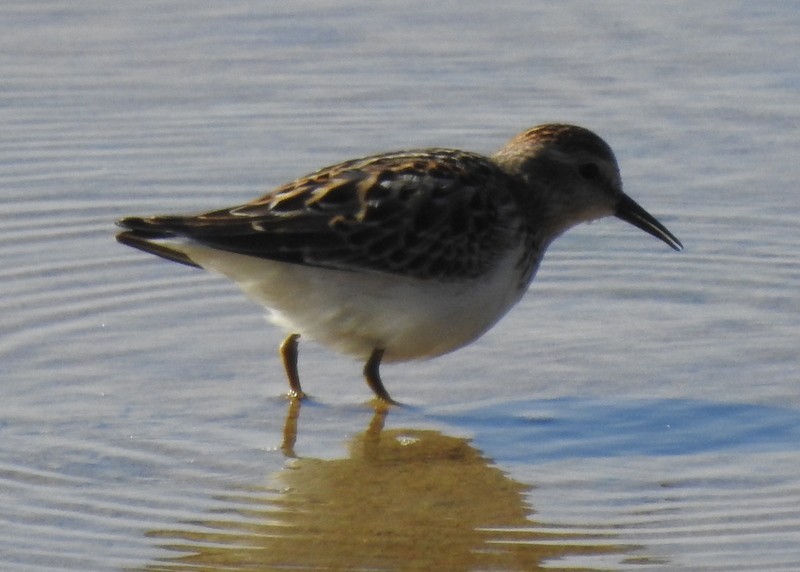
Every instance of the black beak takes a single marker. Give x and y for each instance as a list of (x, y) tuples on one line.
[(629, 211)]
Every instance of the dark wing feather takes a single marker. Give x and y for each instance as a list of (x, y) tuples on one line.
[(431, 213)]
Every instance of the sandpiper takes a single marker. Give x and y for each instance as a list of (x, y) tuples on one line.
[(404, 255)]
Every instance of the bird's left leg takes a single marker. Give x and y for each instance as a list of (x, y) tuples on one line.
[(373, 376)]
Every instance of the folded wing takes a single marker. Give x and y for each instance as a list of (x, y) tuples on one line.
[(427, 214)]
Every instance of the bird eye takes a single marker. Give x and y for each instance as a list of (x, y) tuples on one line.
[(589, 171)]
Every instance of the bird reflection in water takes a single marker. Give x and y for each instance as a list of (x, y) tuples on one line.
[(403, 499)]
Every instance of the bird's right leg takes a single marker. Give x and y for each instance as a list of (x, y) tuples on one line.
[(288, 351)]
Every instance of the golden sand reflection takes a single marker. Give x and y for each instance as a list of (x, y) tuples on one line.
[(404, 499)]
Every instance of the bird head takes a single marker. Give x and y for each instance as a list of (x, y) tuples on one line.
[(569, 175)]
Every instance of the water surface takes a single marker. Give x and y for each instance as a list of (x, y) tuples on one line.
[(639, 409)]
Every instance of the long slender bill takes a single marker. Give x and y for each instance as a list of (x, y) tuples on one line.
[(629, 211)]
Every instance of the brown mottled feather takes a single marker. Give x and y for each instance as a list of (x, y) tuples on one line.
[(434, 213)]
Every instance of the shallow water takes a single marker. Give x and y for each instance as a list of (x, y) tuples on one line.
[(639, 409)]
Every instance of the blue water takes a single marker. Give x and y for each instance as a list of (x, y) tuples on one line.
[(645, 402)]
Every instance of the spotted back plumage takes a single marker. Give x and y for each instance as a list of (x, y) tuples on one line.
[(433, 213)]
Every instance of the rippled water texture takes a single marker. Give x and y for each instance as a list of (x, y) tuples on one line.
[(640, 409)]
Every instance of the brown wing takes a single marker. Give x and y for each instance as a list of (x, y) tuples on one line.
[(431, 213)]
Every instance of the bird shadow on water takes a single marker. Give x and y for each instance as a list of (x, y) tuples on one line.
[(400, 499)]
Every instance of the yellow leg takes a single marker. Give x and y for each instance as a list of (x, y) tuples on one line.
[(288, 351)]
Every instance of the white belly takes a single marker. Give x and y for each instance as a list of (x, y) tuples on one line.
[(355, 313)]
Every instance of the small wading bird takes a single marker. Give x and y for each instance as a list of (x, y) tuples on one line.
[(404, 255)]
